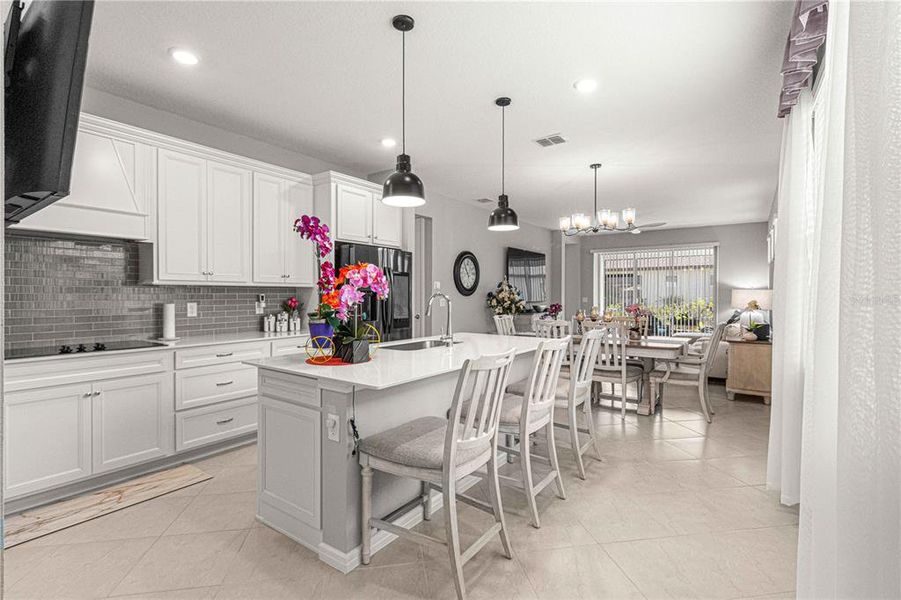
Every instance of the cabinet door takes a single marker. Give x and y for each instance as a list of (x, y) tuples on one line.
[(133, 420), (182, 245), (47, 438), (269, 229), (228, 223), (290, 444), (387, 224), (300, 254), (354, 214)]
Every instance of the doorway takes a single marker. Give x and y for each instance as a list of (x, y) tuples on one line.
[(422, 273)]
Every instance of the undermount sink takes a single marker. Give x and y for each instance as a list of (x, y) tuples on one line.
[(420, 345)]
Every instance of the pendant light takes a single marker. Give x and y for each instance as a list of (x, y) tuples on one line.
[(403, 188), (503, 218)]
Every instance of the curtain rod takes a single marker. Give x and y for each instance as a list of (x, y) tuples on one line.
[(626, 249)]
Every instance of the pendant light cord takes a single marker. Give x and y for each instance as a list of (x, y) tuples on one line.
[(595, 215), (503, 147), (403, 92)]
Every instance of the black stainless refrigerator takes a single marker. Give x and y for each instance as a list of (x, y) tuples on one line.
[(392, 316)]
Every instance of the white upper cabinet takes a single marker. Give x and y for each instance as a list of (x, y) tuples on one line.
[(229, 226), (181, 246), (111, 186), (354, 208), (204, 220), (280, 256)]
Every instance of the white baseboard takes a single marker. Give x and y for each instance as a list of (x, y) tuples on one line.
[(348, 561)]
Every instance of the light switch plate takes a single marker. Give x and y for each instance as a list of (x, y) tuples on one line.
[(192, 309), (258, 307)]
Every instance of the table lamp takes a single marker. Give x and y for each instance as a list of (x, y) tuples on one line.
[(752, 304)]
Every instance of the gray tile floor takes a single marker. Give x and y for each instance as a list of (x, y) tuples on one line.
[(677, 509)]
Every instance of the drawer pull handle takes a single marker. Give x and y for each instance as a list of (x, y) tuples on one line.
[(224, 421), (224, 355), (221, 383)]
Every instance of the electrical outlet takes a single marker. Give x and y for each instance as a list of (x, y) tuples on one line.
[(584, 299), (258, 307), (331, 426), (192, 309), (261, 298)]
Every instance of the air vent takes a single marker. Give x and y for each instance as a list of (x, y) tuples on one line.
[(484, 200), (554, 139)]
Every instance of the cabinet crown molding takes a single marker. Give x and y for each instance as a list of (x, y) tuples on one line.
[(336, 177)]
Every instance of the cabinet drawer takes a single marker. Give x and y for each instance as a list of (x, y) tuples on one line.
[(220, 355), (296, 345), (208, 424), (217, 383)]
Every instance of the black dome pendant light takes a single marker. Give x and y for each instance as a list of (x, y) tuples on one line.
[(403, 188), (503, 218)]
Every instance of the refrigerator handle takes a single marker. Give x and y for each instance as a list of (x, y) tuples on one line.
[(389, 304)]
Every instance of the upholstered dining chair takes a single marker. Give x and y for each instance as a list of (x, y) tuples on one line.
[(504, 325), (612, 366), (689, 370), (439, 452)]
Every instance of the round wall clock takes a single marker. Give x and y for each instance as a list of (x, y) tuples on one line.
[(466, 273)]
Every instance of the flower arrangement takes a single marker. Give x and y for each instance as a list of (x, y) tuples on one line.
[(554, 309), (292, 305), (505, 300), (311, 228)]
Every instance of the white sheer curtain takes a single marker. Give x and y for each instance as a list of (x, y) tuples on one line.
[(849, 352), (791, 274)]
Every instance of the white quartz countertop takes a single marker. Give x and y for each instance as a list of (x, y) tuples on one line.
[(389, 368)]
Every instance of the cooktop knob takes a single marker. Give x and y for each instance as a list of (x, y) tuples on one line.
[(65, 349), (99, 346), (81, 348)]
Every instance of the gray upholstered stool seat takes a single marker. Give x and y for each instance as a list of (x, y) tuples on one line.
[(418, 443), (519, 389)]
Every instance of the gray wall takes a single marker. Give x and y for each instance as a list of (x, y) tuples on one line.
[(119, 109), (458, 227), (741, 256)]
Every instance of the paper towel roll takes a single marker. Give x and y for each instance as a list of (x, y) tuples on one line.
[(169, 321)]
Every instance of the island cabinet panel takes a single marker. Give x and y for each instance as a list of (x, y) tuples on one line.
[(133, 421), (47, 434), (290, 471)]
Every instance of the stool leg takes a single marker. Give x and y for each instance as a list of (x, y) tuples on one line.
[(525, 465), (426, 501), (574, 437), (453, 534), (552, 455), (494, 491), (367, 513), (592, 430)]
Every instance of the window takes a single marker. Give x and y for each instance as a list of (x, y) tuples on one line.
[(526, 270), (677, 285)]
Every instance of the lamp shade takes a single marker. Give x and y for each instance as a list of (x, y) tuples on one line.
[(403, 188), (503, 218), (742, 297)]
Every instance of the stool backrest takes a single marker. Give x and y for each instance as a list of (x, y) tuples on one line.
[(542, 387), (546, 328), (582, 369), (504, 324), (482, 381)]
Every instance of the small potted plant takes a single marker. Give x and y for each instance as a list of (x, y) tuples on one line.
[(350, 288), (553, 310), (321, 329), (505, 300)]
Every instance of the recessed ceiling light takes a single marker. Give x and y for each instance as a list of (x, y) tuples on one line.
[(586, 86), (389, 142), (183, 57)]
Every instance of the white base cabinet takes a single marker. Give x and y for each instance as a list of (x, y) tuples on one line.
[(132, 421), (47, 436)]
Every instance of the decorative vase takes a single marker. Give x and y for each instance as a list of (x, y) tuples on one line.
[(321, 329), (354, 352)]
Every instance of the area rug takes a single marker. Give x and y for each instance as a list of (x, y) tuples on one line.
[(47, 519)]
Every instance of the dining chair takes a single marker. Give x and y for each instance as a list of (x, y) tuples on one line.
[(557, 328), (612, 366), (439, 452), (531, 411), (689, 370), (504, 325)]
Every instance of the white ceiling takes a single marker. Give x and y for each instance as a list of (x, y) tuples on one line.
[(684, 118)]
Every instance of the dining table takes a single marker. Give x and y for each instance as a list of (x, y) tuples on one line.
[(649, 350)]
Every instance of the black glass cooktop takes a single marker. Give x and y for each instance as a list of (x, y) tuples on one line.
[(80, 348)]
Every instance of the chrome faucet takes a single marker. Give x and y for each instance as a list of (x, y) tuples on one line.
[(448, 337)]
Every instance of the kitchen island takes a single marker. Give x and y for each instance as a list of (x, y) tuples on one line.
[(309, 475)]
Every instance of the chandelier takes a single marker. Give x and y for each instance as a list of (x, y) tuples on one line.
[(601, 220)]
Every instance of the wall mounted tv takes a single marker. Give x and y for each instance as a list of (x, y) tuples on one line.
[(528, 272), (45, 55)]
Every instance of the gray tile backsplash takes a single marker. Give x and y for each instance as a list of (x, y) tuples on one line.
[(62, 290)]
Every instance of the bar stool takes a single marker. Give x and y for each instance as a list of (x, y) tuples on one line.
[(528, 413), (439, 452), (504, 325)]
